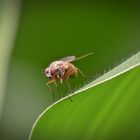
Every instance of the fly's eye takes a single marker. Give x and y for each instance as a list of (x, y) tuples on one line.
[(52, 71)]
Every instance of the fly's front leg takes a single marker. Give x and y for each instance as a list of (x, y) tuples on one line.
[(51, 89), (58, 91)]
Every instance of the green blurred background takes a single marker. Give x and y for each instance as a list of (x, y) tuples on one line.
[(50, 30)]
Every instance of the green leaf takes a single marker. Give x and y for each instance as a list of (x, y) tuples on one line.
[(106, 111)]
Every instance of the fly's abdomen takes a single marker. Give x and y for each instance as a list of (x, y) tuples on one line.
[(70, 72)]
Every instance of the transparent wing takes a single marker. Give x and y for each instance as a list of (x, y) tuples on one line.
[(68, 58), (73, 58)]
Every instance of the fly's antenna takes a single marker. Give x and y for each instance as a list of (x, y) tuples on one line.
[(81, 57), (42, 70)]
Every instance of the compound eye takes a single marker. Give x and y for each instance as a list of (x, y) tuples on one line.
[(52, 71)]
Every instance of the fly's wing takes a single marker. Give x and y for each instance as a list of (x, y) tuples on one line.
[(73, 58), (68, 58)]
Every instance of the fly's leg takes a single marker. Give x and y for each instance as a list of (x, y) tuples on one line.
[(51, 90), (81, 72), (62, 84), (58, 90), (67, 80), (69, 89)]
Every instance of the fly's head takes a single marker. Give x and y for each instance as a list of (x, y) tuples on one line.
[(52, 72)]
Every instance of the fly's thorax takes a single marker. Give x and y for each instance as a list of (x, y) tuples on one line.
[(56, 64)]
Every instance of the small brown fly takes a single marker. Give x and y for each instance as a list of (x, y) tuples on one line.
[(63, 69)]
